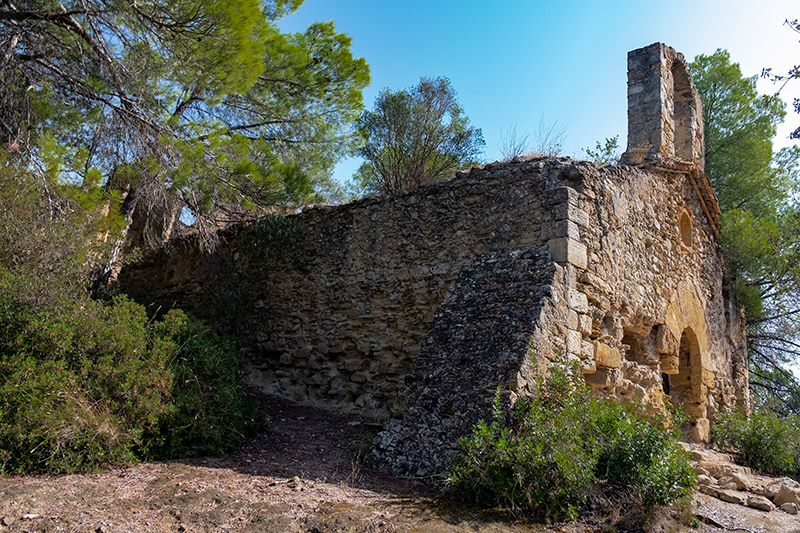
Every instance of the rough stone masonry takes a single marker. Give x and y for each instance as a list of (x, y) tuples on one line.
[(416, 307)]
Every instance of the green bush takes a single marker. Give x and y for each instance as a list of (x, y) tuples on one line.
[(86, 384), (211, 411), (548, 453), (640, 452), (765, 441)]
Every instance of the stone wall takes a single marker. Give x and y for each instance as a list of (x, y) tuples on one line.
[(665, 114), (421, 305), (340, 319), (632, 291)]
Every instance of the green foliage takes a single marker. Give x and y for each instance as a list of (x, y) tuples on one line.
[(414, 137), (549, 451), (639, 451), (84, 383), (200, 103), (764, 441), (757, 190), (210, 409), (739, 125), (604, 153), (80, 382), (52, 235)]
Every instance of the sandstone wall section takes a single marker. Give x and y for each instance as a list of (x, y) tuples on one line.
[(342, 323)]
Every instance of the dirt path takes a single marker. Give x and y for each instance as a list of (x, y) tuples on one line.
[(302, 474)]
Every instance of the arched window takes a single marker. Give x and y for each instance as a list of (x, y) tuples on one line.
[(684, 106), (685, 229)]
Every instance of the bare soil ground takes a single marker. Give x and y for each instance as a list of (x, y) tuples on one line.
[(302, 474)]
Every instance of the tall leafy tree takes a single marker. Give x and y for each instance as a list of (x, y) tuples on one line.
[(203, 104), (415, 137), (757, 190)]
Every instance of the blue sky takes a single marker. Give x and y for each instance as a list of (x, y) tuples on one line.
[(525, 62)]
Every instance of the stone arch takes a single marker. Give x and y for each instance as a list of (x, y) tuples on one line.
[(678, 382), (685, 227), (683, 342), (665, 114)]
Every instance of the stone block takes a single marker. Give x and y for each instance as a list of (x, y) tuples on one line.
[(787, 494), (570, 212), (789, 507), (759, 502), (666, 343), (587, 350), (696, 410), (703, 479), (572, 319), (560, 228), (669, 364), (578, 301), (701, 430), (731, 496), (574, 340), (568, 251), (585, 324), (605, 356), (561, 195), (604, 377)]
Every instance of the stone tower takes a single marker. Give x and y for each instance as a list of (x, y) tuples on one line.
[(665, 114)]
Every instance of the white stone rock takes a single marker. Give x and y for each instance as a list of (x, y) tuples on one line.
[(787, 494), (759, 502)]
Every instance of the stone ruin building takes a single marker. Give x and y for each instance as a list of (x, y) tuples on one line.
[(416, 307)]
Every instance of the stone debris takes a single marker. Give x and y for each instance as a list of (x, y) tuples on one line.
[(731, 496), (299, 484), (720, 478), (787, 494), (759, 502)]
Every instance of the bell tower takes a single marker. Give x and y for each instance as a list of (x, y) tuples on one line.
[(665, 114)]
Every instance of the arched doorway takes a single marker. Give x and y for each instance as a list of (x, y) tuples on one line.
[(679, 385)]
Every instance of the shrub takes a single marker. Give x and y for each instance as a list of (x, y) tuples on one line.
[(211, 411), (78, 383), (641, 453), (550, 450), (86, 384), (765, 442)]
